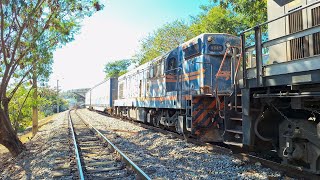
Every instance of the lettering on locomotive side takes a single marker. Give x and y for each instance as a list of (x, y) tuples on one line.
[(215, 47)]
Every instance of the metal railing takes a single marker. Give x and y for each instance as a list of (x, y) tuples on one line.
[(259, 44)]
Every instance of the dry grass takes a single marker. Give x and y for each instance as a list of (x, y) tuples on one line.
[(25, 137)]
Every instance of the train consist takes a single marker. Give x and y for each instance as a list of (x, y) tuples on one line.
[(262, 97)]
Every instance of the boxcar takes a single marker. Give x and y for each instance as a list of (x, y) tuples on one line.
[(101, 97)]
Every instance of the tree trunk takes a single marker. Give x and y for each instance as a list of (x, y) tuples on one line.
[(8, 138), (35, 106)]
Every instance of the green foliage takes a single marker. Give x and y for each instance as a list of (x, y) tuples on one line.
[(220, 16), (116, 68), (31, 31), (20, 107), (162, 40), (250, 12), (217, 20), (51, 98), (23, 118)]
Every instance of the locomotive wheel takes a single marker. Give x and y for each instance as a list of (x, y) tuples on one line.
[(156, 121)]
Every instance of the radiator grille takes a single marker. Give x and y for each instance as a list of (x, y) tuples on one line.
[(298, 46), (315, 12)]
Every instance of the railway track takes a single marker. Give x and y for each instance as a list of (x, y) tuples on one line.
[(291, 171), (96, 156)]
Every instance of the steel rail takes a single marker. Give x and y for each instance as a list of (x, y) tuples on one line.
[(76, 150), (292, 171), (134, 167)]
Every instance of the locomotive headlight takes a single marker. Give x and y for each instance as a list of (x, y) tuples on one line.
[(210, 38), (227, 44)]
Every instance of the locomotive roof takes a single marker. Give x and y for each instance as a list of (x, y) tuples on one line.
[(147, 64), (195, 39)]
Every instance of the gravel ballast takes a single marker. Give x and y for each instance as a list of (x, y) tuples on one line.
[(160, 156), (39, 161), (165, 157)]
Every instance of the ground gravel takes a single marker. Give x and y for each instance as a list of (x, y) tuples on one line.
[(39, 161), (165, 157), (160, 156)]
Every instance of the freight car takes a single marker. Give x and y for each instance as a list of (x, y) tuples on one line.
[(270, 103), (101, 97)]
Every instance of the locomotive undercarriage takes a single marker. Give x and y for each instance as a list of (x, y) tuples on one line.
[(171, 119), (295, 129), (165, 118)]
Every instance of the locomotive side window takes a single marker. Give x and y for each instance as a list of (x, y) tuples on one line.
[(155, 70), (151, 72), (172, 65), (162, 68), (140, 88), (193, 49)]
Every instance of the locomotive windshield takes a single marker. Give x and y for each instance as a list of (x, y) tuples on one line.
[(192, 50)]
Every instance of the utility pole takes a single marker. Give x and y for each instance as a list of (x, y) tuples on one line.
[(35, 98), (57, 95)]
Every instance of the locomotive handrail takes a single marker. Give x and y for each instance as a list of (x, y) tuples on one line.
[(289, 37), (258, 44), (173, 69), (272, 20)]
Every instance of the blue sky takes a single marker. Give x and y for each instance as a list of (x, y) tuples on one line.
[(114, 34)]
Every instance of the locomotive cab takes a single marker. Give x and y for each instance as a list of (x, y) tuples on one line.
[(206, 79), (204, 65)]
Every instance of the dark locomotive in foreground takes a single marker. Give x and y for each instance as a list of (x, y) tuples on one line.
[(263, 97)]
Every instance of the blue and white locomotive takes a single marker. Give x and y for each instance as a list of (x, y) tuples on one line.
[(263, 97), (179, 88)]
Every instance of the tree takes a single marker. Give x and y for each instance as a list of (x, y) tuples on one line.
[(250, 12), (116, 68), (216, 20), (165, 38), (48, 99), (29, 33), (20, 107)]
